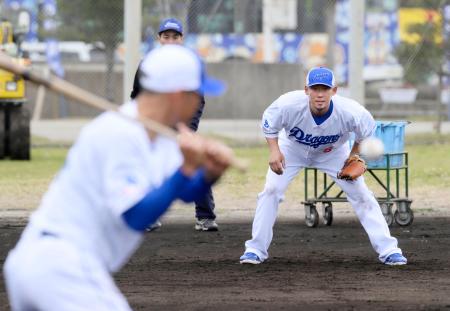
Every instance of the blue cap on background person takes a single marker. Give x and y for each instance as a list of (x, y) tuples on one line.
[(320, 76), (173, 68), (171, 24)]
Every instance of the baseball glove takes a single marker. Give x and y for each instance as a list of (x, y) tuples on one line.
[(353, 167)]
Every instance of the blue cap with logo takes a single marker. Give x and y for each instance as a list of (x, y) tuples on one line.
[(320, 76), (171, 24)]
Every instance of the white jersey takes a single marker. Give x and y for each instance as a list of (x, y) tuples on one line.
[(306, 144), (291, 113), (112, 166)]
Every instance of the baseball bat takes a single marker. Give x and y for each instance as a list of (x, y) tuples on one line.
[(83, 96)]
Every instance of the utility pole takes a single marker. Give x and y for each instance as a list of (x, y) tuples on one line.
[(439, 102), (132, 31), (356, 57), (330, 15), (267, 31)]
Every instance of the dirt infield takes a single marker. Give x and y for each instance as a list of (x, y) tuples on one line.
[(327, 268)]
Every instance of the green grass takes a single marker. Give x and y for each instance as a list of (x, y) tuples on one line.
[(429, 165), (427, 139), (423, 118), (44, 163), (22, 183)]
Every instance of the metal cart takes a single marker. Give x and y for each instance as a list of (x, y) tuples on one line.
[(403, 214)]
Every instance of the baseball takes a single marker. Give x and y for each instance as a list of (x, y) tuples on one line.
[(371, 148)]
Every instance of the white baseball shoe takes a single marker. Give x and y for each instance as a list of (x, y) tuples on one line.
[(396, 260), (206, 224), (155, 226), (250, 258)]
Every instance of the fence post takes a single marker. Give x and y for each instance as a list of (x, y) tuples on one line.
[(132, 31), (267, 31)]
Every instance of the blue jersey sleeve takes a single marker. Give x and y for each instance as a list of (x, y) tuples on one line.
[(156, 202)]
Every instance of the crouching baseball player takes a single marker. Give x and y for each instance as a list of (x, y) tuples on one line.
[(311, 128), (117, 180)]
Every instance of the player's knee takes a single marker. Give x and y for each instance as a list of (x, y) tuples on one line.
[(272, 190), (363, 200), (360, 194), (356, 199)]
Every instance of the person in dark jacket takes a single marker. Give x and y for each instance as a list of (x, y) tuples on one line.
[(171, 32)]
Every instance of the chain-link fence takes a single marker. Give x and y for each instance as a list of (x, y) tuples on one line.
[(78, 40), (262, 48)]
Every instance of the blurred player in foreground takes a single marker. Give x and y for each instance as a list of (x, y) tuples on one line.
[(171, 32), (311, 128), (118, 178)]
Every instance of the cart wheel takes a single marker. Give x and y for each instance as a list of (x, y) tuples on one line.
[(311, 216), (404, 219), (327, 209), (386, 209)]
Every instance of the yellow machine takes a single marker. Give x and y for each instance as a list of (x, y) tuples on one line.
[(11, 86), (14, 115)]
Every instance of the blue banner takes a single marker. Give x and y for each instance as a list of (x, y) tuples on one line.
[(381, 36), (53, 56)]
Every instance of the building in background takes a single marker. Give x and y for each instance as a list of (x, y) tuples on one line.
[(221, 30), (228, 29)]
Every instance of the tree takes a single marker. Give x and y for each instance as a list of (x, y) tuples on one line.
[(423, 58), (429, 4)]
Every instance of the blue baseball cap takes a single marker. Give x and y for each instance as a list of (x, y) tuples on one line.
[(320, 76), (173, 68), (171, 24)]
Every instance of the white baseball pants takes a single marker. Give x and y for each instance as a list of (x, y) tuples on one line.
[(360, 197), (48, 273)]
